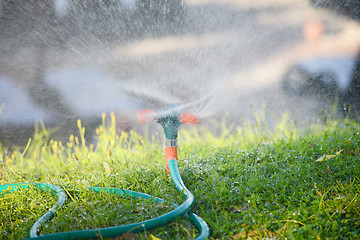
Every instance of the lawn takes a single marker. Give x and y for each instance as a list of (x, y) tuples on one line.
[(250, 182)]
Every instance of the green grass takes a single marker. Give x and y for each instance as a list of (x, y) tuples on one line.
[(250, 182)]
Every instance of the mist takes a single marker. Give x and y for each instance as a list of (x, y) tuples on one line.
[(66, 60)]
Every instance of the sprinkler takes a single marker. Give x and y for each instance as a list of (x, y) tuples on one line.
[(170, 119)]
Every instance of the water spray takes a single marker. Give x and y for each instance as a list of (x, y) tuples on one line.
[(170, 119)]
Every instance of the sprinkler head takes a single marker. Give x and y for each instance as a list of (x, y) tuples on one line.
[(169, 118)]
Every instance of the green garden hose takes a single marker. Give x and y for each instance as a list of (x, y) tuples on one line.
[(180, 210), (43, 186)]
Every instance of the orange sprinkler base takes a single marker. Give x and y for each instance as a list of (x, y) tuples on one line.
[(170, 153)]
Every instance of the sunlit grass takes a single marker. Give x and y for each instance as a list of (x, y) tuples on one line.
[(251, 181)]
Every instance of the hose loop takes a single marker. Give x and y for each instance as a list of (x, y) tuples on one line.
[(182, 209)]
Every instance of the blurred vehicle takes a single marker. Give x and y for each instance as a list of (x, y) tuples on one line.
[(336, 78), (326, 77)]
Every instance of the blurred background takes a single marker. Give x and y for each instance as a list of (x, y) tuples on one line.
[(63, 60)]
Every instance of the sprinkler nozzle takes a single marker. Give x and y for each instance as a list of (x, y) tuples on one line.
[(188, 118)]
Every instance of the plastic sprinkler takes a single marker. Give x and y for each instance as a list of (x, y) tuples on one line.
[(170, 119)]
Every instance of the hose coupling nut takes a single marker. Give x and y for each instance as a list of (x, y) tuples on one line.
[(171, 142)]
